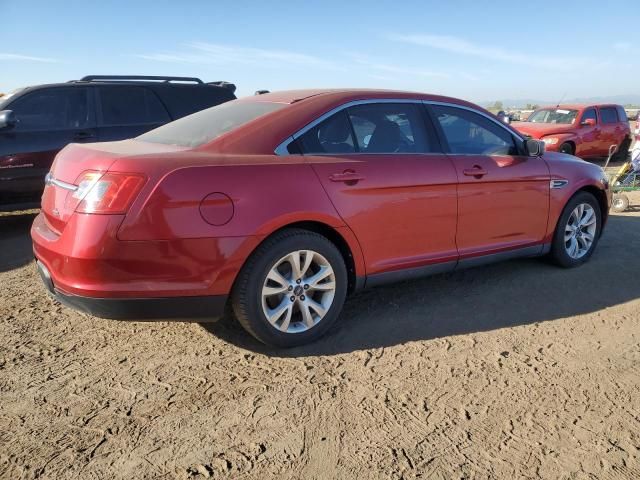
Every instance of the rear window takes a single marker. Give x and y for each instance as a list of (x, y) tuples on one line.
[(608, 115), (131, 106), (204, 126)]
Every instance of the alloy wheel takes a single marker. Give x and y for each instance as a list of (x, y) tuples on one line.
[(580, 231), (298, 291)]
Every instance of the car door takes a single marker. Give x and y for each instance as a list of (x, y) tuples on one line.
[(590, 135), (126, 111), (503, 195), (609, 121), (385, 175), (46, 120)]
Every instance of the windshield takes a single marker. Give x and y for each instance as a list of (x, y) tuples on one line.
[(204, 126), (553, 115)]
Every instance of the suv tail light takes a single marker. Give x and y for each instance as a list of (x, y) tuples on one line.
[(108, 193)]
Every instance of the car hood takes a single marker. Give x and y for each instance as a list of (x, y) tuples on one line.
[(539, 130)]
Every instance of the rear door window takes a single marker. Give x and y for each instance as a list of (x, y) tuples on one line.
[(608, 115), (470, 133), (390, 128), (131, 106), (52, 109), (331, 136)]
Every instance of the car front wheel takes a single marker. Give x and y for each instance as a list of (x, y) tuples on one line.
[(578, 231), (291, 289)]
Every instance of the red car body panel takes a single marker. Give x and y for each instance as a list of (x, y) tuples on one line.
[(202, 211), (589, 141)]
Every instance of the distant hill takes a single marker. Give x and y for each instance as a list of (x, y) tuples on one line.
[(631, 99)]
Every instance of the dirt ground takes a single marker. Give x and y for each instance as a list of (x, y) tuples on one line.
[(515, 370)]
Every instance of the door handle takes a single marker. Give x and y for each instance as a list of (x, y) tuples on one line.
[(83, 135), (349, 177), (477, 171)]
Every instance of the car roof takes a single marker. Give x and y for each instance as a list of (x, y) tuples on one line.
[(580, 106)]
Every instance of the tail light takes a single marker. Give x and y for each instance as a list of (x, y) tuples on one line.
[(106, 193)]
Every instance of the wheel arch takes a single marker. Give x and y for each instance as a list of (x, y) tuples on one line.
[(342, 237), (601, 196)]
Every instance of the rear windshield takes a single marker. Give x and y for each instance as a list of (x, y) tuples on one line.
[(204, 126)]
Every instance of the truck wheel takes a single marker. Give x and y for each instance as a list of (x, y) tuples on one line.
[(620, 202), (566, 148), (623, 150)]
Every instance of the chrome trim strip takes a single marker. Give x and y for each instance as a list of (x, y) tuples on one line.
[(281, 149), (50, 180), (558, 183)]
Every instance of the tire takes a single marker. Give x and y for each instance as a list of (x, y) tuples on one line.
[(560, 247), (620, 202), (623, 151), (253, 295), (567, 148)]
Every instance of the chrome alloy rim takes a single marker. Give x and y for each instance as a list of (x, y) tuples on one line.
[(298, 291), (580, 231)]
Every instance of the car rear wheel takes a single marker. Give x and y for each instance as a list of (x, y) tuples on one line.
[(566, 148), (291, 290), (578, 231)]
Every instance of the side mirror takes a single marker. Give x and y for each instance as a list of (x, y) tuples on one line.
[(589, 122), (7, 119), (534, 148)]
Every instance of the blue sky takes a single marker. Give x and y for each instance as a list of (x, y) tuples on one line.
[(478, 50)]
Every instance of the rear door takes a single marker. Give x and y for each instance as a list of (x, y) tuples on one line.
[(383, 171), (46, 120), (610, 129), (590, 136), (503, 196), (126, 111)]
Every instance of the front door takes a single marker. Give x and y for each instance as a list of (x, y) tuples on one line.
[(590, 135), (503, 196), (380, 165), (46, 121)]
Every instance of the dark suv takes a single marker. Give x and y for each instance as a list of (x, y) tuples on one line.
[(36, 122)]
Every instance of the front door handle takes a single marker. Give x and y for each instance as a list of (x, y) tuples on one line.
[(477, 172), (350, 177)]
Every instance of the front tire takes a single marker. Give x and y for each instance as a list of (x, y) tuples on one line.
[(292, 289), (578, 231)]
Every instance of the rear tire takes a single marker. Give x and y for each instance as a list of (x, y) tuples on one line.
[(620, 202), (623, 151), (576, 236), (292, 264), (567, 148)]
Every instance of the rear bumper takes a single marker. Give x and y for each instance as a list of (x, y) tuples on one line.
[(199, 308)]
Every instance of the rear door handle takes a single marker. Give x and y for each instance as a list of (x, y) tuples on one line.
[(477, 171), (348, 176), (83, 136)]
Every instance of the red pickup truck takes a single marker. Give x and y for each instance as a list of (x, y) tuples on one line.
[(586, 131)]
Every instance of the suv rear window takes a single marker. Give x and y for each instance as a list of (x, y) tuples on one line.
[(131, 106), (608, 115), (204, 126)]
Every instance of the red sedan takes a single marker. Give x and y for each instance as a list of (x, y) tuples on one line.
[(283, 203)]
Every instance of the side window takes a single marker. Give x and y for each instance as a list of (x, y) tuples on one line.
[(333, 135), (470, 133), (52, 109), (622, 114), (608, 115), (389, 128), (590, 113), (131, 106)]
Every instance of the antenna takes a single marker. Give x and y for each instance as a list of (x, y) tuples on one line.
[(561, 99)]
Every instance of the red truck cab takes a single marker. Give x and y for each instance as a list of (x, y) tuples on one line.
[(586, 131)]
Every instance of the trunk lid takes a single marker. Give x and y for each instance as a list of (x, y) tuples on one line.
[(58, 202)]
